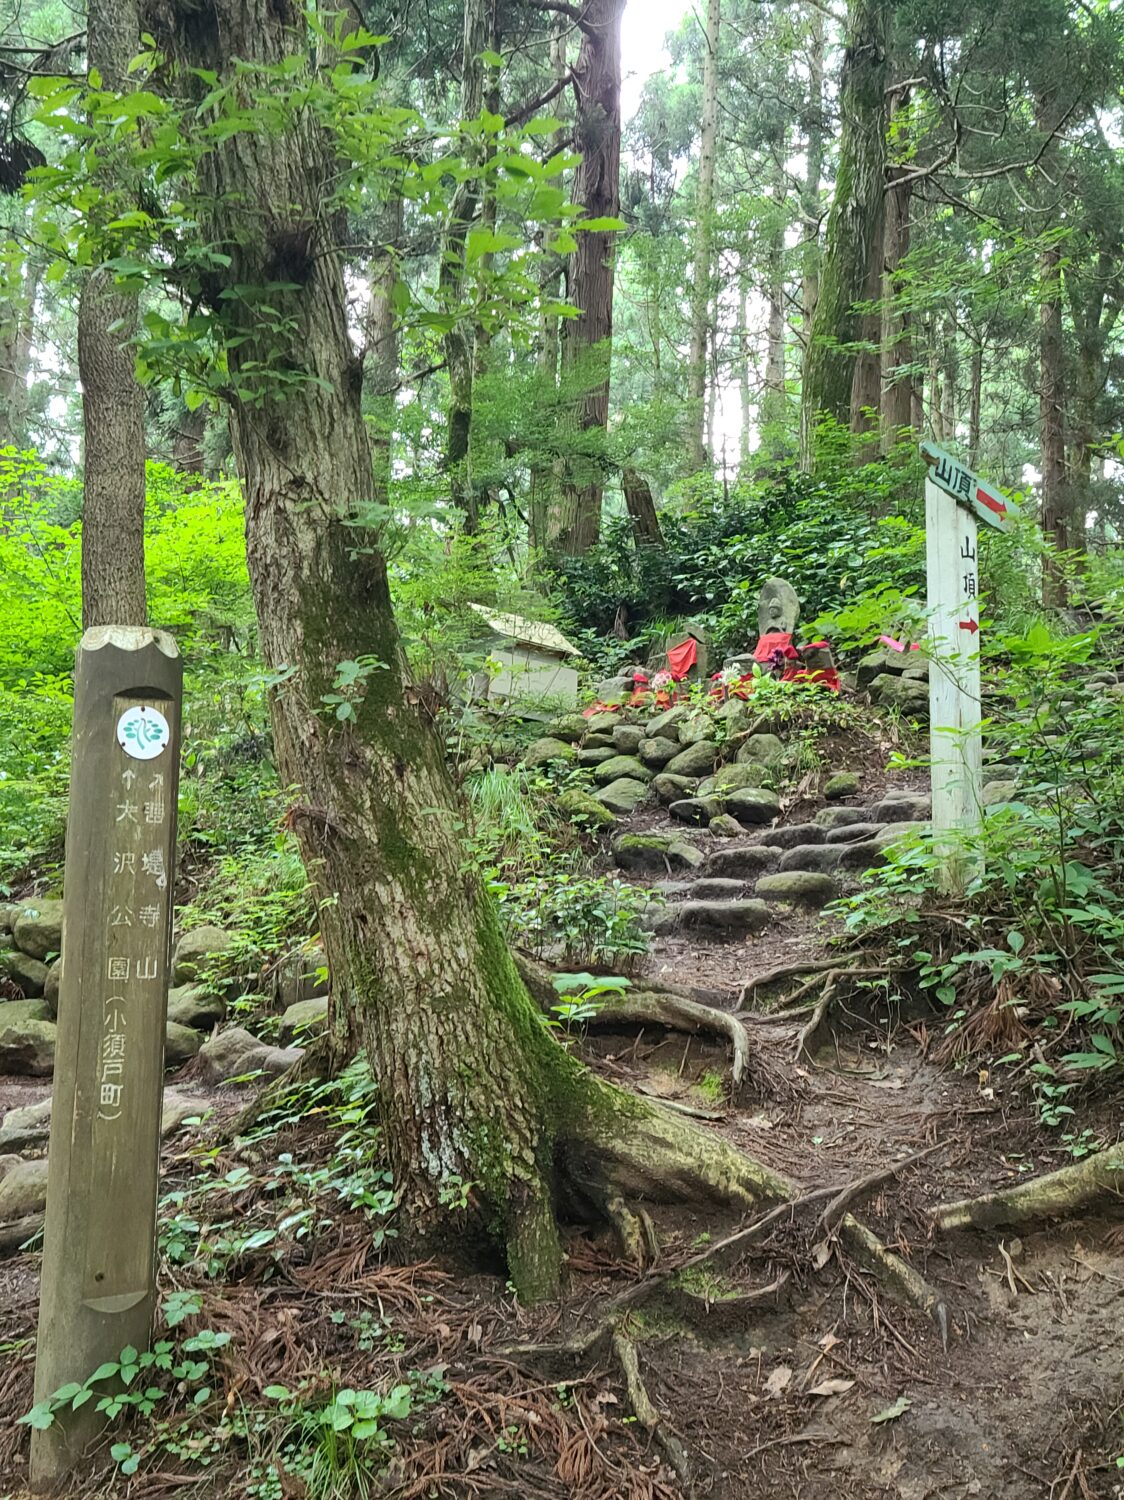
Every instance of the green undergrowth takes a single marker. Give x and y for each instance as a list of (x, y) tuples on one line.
[(1026, 969), (251, 1213)]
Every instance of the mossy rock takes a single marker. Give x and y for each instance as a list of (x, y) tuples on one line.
[(627, 737), (655, 852), (196, 949), (51, 986), (672, 788), (570, 727), (842, 784), (840, 817), (196, 1006), (548, 749), (621, 765), (696, 760), (303, 1021), (596, 756), (666, 725), (27, 972), (658, 750), (697, 810), (800, 887), (27, 1044), (723, 826), (581, 805), (37, 928), (622, 796), (181, 1043), (909, 694), (733, 778), (697, 726), (754, 804), (603, 723), (768, 749)]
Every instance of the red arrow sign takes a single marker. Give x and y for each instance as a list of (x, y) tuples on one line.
[(969, 625)]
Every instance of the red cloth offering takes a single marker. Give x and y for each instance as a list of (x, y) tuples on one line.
[(682, 658), (776, 640)]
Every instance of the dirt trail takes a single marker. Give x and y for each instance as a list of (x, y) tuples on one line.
[(786, 1398)]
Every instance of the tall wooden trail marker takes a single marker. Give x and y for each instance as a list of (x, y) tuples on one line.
[(956, 500), (98, 1280)]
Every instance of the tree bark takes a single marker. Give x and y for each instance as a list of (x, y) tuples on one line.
[(1051, 407), (460, 340), (975, 405), (587, 341), (897, 392), (744, 363), (16, 340), (774, 400), (702, 273), (854, 226), (810, 195), (641, 509), (381, 341), (113, 591)]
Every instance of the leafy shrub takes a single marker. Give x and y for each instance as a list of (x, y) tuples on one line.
[(831, 536), (587, 919)]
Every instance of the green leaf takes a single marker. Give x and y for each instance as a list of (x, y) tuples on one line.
[(600, 226), (892, 1413)]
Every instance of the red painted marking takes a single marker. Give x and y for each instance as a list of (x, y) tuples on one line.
[(992, 504), (969, 625)]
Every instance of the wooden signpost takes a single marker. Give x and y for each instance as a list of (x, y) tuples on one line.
[(956, 500), (98, 1280)]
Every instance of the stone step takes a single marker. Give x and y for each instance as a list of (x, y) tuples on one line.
[(799, 888), (743, 862), (718, 919), (823, 859), (656, 852), (702, 890)]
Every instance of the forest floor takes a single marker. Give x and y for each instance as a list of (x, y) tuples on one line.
[(778, 1369)]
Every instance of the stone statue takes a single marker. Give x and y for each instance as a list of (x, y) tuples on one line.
[(778, 608)]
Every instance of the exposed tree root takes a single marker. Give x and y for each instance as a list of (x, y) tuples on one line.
[(635, 1232), (1055, 1196), (898, 1279), (652, 1005), (651, 1156), (646, 1414), (789, 971), (849, 1195), (806, 1038)]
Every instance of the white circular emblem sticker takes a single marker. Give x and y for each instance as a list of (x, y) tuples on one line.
[(143, 733)]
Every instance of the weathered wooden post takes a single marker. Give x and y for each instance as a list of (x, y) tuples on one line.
[(98, 1281), (955, 500)]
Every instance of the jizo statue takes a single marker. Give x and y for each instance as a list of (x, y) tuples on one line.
[(778, 608)]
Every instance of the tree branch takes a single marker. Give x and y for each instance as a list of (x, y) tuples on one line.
[(571, 12), (520, 116)]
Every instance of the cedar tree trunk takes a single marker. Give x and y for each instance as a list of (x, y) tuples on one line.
[(587, 339), (702, 271), (112, 401), (854, 226)]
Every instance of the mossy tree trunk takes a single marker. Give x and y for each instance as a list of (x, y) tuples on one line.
[(854, 226), (587, 339), (477, 1098), (113, 591)]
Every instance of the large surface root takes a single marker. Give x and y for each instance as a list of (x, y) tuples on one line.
[(648, 1005), (1067, 1191), (650, 1156)]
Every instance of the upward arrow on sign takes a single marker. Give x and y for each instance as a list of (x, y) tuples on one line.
[(988, 503)]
